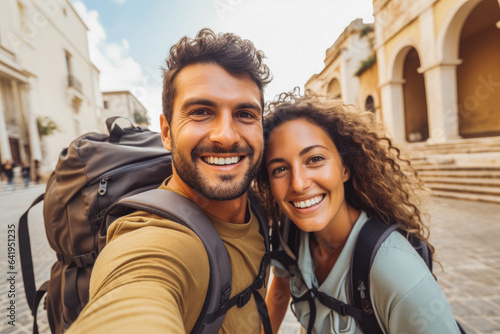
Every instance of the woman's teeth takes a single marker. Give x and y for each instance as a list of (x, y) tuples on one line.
[(309, 202)]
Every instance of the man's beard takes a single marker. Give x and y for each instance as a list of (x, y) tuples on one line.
[(226, 187)]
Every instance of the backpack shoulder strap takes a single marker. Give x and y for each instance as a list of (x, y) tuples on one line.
[(286, 242), (177, 208), (25, 255), (372, 235)]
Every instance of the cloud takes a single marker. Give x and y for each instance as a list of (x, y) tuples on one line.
[(120, 2), (118, 70)]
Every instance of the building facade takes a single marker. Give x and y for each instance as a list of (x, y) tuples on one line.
[(430, 70), (125, 104), (47, 81)]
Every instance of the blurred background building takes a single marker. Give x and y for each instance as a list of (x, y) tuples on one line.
[(431, 71), (124, 103), (49, 88)]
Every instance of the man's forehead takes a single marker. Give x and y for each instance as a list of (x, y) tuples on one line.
[(212, 82)]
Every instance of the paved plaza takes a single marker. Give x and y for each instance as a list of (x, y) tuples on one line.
[(466, 236)]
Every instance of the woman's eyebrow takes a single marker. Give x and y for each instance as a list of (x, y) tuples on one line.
[(304, 151), (275, 160), (307, 149)]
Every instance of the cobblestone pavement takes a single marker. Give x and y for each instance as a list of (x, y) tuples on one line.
[(465, 235)]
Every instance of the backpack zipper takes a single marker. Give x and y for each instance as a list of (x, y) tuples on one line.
[(103, 180)]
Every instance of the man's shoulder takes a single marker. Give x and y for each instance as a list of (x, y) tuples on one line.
[(143, 228)]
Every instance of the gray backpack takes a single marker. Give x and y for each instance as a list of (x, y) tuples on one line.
[(99, 178)]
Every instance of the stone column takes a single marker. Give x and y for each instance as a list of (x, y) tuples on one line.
[(393, 108), (30, 107), (20, 118), (4, 136), (441, 92)]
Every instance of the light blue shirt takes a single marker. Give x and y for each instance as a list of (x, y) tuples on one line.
[(405, 296)]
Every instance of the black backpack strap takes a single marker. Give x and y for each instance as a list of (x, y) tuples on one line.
[(285, 241), (184, 211), (25, 255), (372, 235), (32, 295)]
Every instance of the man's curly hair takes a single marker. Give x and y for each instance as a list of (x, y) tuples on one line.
[(381, 181), (237, 56)]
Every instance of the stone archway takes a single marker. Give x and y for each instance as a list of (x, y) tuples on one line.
[(415, 101), (478, 76)]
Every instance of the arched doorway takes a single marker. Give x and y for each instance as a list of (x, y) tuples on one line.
[(334, 89), (415, 102), (478, 76)]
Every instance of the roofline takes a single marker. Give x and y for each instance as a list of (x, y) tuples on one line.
[(74, 11)]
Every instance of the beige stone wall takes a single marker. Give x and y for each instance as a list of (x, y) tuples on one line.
[(368, 86)]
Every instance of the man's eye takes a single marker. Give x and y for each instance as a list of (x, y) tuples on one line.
[(199, 112), (246, 114)]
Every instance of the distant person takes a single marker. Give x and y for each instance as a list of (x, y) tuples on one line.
[(37, 171), (8, 170), (26, 173), (328, 169)]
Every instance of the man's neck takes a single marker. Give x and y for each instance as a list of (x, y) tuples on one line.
[(232, 211)]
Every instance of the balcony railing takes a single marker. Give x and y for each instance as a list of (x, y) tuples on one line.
[(75, 83)]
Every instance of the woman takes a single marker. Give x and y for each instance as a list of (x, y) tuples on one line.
[(328, 169)]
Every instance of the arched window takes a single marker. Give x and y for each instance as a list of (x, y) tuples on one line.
[(370, 104)]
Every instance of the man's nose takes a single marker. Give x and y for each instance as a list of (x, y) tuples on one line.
[(225, 131)]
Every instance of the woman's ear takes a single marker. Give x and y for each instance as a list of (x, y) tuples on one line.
[(346, 173), (166, 135)]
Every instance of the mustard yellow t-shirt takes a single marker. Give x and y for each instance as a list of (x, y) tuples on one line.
[(153, 275)]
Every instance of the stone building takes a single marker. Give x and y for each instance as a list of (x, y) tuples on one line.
[(431, 72), (46, 79), (124, 103)]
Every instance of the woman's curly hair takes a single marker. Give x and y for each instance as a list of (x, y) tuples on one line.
[(381, 181)]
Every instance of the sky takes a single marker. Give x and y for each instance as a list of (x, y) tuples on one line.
[(130, 39)]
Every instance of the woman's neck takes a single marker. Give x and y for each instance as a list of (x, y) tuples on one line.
[(326, 245)]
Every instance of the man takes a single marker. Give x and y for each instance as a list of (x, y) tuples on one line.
[(153, 274)]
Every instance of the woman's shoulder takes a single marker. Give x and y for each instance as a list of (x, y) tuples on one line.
[(397, 263)]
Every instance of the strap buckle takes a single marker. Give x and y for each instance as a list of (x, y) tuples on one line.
[(343, 309), (243, 298), (86, 259)]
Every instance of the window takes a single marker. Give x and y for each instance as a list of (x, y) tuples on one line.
[(22, 17), (106, 105), (68, 63), (370, 104)]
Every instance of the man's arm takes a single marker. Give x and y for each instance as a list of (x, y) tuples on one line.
[(147, 279), (277, 298)]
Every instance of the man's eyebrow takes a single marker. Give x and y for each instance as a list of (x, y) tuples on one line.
[(197, 101), (249, 105)]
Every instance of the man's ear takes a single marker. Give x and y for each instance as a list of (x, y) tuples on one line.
[(166, 135), (346, 173)]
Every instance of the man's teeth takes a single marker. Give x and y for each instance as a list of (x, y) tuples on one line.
[(309, 202), (222, 161)]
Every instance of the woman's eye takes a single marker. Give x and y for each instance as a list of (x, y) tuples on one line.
[(278, 170), (316, 159)]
